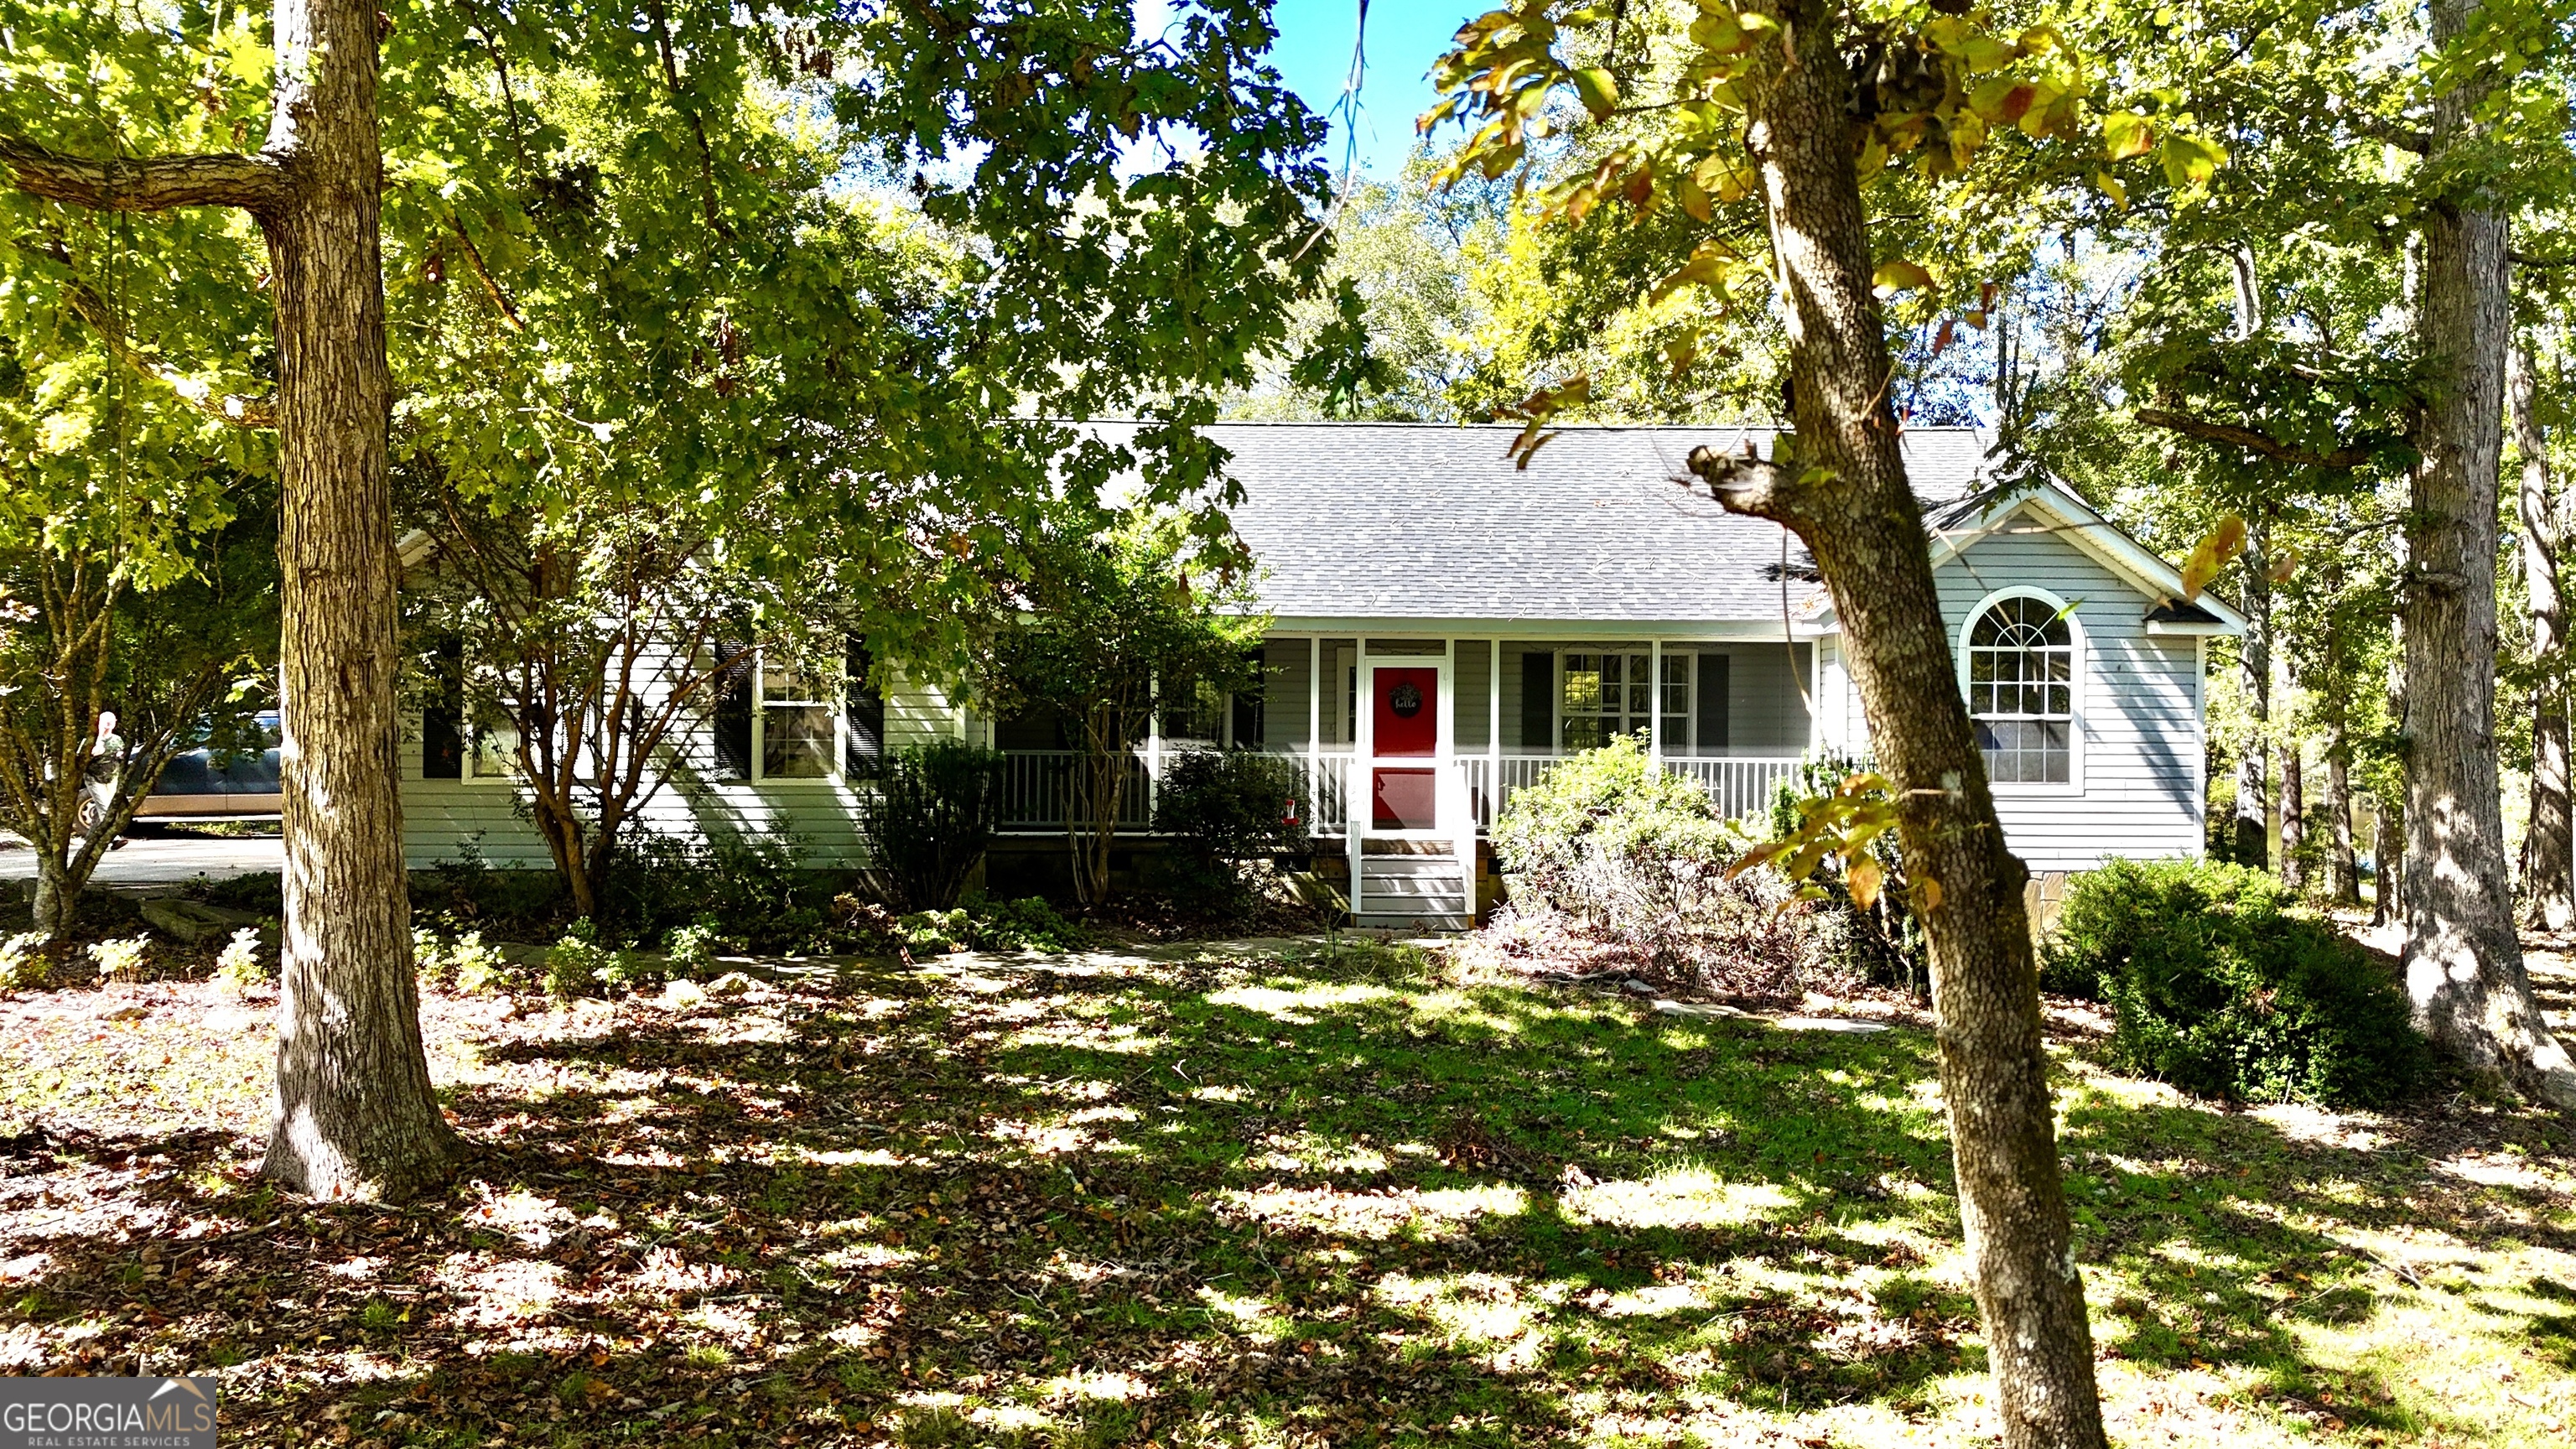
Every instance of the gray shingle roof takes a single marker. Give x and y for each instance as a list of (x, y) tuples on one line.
[(1412, 520)]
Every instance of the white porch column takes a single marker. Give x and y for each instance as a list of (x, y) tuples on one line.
[(1655, 700), (1314, 730), (1153, 745), (1494, 731)]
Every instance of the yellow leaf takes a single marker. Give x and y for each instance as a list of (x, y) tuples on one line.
[(1694, 198), (2004, 99), (1899, 276), (2110, 186), (1599, 90), (1927, 894), (2126, 134), (2223, 543), (2284, 566), (1866, 877)]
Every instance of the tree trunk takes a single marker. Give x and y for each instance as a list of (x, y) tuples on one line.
[(2343, 877), (2549, 847), (2253, 835), (2388, 857), (355, 1114), (1865, 529), (53, 898), (2464, 966), (2294, 795)]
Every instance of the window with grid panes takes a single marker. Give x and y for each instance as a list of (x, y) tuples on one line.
[(1606, 695), (2021, 691)]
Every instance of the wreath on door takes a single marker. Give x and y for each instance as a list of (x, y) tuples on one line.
[(1405, 700)]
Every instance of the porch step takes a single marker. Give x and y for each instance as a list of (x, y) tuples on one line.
[(1413, 923), (1425, 891)]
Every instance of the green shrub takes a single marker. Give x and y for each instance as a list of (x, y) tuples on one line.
[(1610, 849), (936, 808), (690, 950), (661, 881), (241, 965), (2222, 984), (577, 965), (1028, 924), (23, 961), (120, 960), (1233, 805), (475, 968), (936, 932), (1882, 941)]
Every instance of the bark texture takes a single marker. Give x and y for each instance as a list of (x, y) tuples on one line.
[(2294, 788), (2388, 858), (355, 1115), (2464, 968), (2252, 841), (2343, 874), (2549, 846), (1865, 530)]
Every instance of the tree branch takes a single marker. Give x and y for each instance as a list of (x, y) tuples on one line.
[(1742, 482), (2251, 441), (155, 183), (2379, 129)]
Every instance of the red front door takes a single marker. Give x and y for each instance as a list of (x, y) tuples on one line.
[(1404, 719)]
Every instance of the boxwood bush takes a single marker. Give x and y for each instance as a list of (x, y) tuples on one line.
[(2222, 984)]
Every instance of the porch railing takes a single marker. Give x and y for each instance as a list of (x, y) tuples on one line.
[(1740, 784), (1038, 784)]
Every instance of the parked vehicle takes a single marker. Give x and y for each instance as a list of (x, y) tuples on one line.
[(206, 784)]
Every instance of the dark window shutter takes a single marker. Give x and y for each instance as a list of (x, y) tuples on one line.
[(442, 723), (732, 690), (1538, 700), (1712, 702), (866, 753)]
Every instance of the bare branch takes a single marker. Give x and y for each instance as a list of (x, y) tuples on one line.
[(2378, 129), (153, 183), (2252, 441)]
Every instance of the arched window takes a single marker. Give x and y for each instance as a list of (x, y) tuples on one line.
[(2021, 690)]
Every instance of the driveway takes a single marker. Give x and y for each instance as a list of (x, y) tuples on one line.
[(150, 861)]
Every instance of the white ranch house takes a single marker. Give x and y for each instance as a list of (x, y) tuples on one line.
[(1444, 627)]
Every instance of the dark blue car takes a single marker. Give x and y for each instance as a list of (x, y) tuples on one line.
[(201, 785)]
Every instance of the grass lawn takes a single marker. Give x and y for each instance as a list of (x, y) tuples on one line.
[(1119, 1200)]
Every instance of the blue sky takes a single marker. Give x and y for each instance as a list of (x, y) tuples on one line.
[(1404, 38)]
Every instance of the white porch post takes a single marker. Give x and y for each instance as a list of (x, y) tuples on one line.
[(1494, 732), (1153, 744), (1655, 700), (1314, 730)]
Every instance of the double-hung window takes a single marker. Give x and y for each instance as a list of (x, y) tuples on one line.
[(2021, 690), (1606, 695), (777, 717)]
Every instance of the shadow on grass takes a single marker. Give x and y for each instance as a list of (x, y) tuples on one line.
[(1312, 1202)]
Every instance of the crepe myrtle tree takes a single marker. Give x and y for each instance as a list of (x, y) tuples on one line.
[(313, 154), (1118, 615)]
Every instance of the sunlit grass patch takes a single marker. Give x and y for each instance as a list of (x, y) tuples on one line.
[(1300, 1005), (1684, 1197), (1336, 1212)]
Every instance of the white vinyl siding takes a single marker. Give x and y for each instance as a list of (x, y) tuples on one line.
[(2141, 747), (445, 820)]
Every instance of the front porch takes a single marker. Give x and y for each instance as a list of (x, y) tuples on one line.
[(1035, 784), (1730, 713)]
